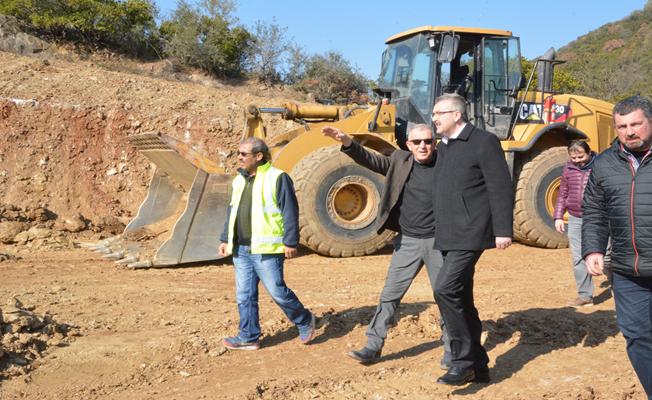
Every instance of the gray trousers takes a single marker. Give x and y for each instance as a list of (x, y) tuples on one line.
[(410, 254), (583, 279)]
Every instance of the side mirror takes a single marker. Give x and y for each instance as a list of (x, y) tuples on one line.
[(448, 48)]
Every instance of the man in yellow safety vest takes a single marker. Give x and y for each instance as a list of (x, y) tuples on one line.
[(261, 230)]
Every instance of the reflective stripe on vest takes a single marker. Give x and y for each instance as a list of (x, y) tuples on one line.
[(266, 216)]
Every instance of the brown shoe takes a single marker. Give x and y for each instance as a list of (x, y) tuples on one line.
[(581, 302)]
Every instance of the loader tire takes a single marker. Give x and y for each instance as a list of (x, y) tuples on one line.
[(536, 193), (338, 203)]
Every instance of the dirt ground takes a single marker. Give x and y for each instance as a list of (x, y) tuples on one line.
[(148, 334)]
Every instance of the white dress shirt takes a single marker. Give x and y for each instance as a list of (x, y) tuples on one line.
[(454, 135)]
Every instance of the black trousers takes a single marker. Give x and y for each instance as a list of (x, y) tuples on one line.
[(454, 294)]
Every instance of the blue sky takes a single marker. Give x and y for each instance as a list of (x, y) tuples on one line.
[(358, 29)]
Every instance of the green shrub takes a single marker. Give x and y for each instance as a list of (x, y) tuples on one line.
[(124, 25), (204, 37), (328, 77)]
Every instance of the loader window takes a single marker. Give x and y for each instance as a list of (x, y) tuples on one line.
[(457, 76), (501, 72), (420, 86), (396, 68), (494, 75), (468, 68), (408, 67)]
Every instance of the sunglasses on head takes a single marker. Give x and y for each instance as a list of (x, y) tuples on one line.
[(417, 142)]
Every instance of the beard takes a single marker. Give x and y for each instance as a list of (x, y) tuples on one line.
[(636, 144)]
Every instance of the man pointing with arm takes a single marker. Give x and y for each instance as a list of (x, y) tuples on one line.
[(406, 207)]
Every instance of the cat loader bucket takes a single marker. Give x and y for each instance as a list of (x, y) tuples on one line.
[(183, 215)]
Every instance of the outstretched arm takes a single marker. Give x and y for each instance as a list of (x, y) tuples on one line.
[(376, 162), (338, 135)]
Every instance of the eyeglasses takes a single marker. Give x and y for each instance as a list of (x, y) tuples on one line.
[(440, 113), (244, 153), (417, 142)]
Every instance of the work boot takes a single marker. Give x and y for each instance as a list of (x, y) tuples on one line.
[(457, 376), (365, 355)]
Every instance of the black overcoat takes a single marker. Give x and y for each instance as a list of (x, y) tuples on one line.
[(473, 194)]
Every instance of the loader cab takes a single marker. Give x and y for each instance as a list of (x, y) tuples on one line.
[(482, 65)]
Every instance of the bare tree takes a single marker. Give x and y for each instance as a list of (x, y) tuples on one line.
[(269, 51), (297, 60)]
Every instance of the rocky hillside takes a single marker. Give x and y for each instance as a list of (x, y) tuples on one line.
[(615, 60), (65, 164)]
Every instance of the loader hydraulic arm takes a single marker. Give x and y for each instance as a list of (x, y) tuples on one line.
[(302, 113)]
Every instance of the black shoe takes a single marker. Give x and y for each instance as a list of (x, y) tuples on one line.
[(457, 376), (482, 375), (365, 355)]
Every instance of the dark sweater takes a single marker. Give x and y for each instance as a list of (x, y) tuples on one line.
[(396, 168), (417, 215), (243, 218)]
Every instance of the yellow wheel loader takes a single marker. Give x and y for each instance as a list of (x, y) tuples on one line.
[(183, 215)]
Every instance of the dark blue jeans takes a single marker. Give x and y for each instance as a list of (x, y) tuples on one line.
[(633, 296), (268, 268)]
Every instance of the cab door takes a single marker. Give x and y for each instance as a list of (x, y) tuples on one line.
[(501, 77)]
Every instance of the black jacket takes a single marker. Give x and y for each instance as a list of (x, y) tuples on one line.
[(396, 168), (474, 195), (618, 202)]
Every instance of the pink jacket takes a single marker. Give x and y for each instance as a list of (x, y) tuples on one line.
[(571, 192)]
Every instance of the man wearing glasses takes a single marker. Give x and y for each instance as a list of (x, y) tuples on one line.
[(261, 230), (474, 202), (406, 207)]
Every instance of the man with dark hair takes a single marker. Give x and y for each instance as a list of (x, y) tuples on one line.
[(261, 230), (618, 202), (405, 207), (474, 203)]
